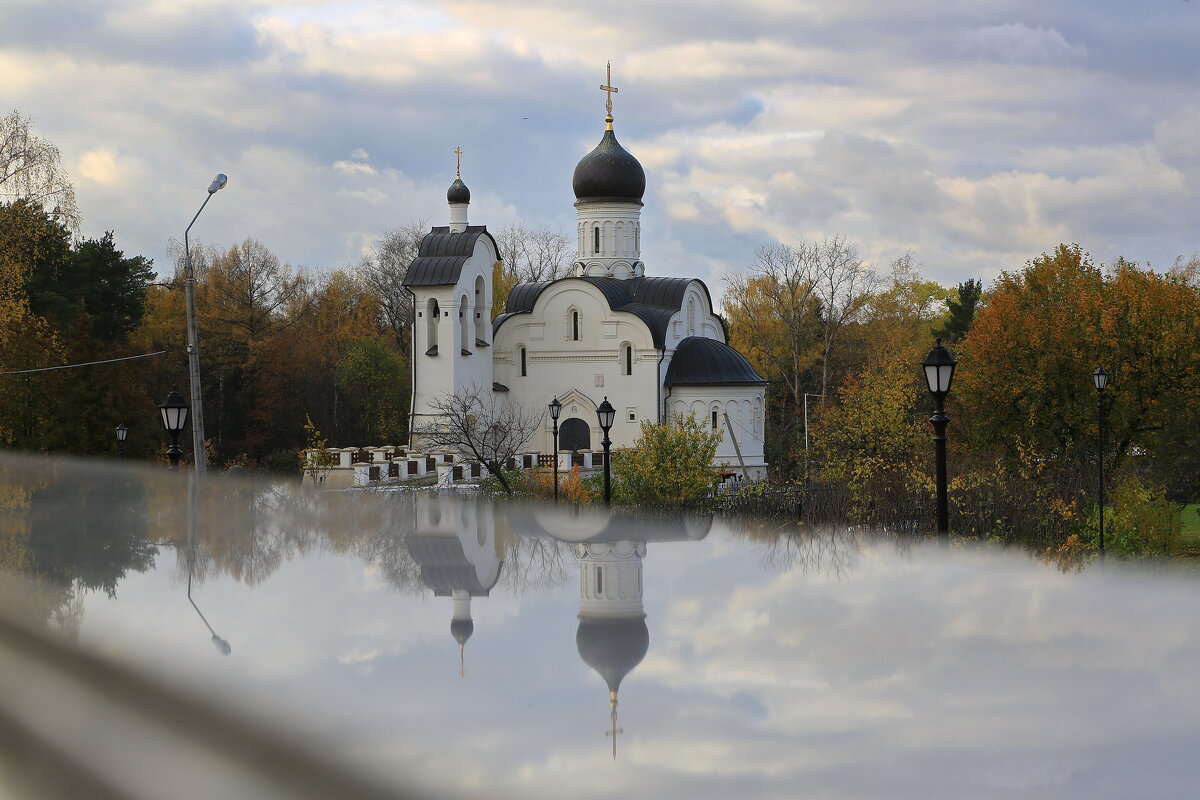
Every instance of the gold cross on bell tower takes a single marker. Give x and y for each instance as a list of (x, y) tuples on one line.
[(610, 90), (458, 162)]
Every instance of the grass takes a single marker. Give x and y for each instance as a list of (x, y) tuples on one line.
[(1188, 545)]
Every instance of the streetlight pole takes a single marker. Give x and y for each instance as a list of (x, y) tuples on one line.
[(193, 332), (555, 410), (939, 373), (607, 414), (122, 431), (1100, 379)]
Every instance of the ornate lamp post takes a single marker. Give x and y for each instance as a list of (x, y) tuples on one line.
[(1100, 379), (555, 410), (607, 414), (174, 416), (939, 373), (122, 431), (193, 332)]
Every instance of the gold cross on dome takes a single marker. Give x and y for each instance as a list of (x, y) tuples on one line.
[(458, 162), (610, 89)]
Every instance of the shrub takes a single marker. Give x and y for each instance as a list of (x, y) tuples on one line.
[(670, 464)]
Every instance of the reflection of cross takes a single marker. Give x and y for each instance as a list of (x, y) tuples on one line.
[(610, 89), (615, 730), (458, 162)]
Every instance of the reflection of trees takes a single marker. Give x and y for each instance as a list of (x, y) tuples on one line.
[(535, 562), (787, 545)]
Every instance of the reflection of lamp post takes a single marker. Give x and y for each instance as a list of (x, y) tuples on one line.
[(607, 414), (939, 372), (122, 432), (193, 332), (1100, 378), (555, 410), (174, 415), (222, 645)]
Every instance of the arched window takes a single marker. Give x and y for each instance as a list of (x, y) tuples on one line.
[(464, 325), (574, 326), (599, 581), (523, 370), (691, 316), (628, 359), (596, 239), (432, 315), (480, 308), (714, 419)]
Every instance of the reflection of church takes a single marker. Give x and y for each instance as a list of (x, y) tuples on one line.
[(612, 637), (652, 345), (455, 546)]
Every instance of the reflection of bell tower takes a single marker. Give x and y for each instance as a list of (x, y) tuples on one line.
[(612, 637), (454, 544)]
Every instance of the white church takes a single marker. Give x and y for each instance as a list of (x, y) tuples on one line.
[(652, 346)]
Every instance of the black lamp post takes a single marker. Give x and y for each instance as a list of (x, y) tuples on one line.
[(607, 414), (1100, 378), (122, 432), (174, 415), (939, 373), (555, 410)]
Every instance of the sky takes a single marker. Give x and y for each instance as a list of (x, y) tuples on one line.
[(975, 135)]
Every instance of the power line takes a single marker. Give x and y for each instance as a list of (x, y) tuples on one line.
[(86, 364)]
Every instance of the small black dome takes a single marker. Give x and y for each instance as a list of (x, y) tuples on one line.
[(458, 192), (612, 647), (610, 172), (461, 630)]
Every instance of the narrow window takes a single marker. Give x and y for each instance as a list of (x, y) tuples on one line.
[(523, 372), (599, 581), (596, 239), (714, 419), (628, 359), (575, 326)]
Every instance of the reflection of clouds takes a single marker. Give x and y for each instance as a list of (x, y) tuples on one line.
[(780, 663)]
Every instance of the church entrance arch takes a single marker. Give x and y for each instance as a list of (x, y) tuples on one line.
[(575, 434)]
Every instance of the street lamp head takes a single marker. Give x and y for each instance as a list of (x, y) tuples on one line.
[(939, 370), (218, 183), (122, 432), (555, 409), (174, 411), (607, 414), (1100, 378)]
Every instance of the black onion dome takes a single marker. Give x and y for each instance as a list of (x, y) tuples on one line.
[(461, 630), (610, 172), (707, 362), (458, 192), (612, 647)]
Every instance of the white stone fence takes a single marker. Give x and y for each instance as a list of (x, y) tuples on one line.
[(365, 466)]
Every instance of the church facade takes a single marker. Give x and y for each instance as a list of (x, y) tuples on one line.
[(653, 346)]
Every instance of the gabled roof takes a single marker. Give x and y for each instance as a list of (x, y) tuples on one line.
[(654, 300), (442, 254), (444, 565), (707, 362)]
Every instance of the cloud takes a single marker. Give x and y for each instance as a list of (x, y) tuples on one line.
[(1017, 43)]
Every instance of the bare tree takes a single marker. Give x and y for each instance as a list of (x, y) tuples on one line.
[(534, 254), (31, 169), (842, 283), (489, 428), (383, 269)]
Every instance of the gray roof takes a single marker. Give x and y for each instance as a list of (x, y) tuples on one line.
[(654, 300), (440, 260), (707, 362), (444, 565)]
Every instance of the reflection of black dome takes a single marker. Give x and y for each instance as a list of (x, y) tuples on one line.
[(612, 647), (461, 630), (610, 172), (458, 192)]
